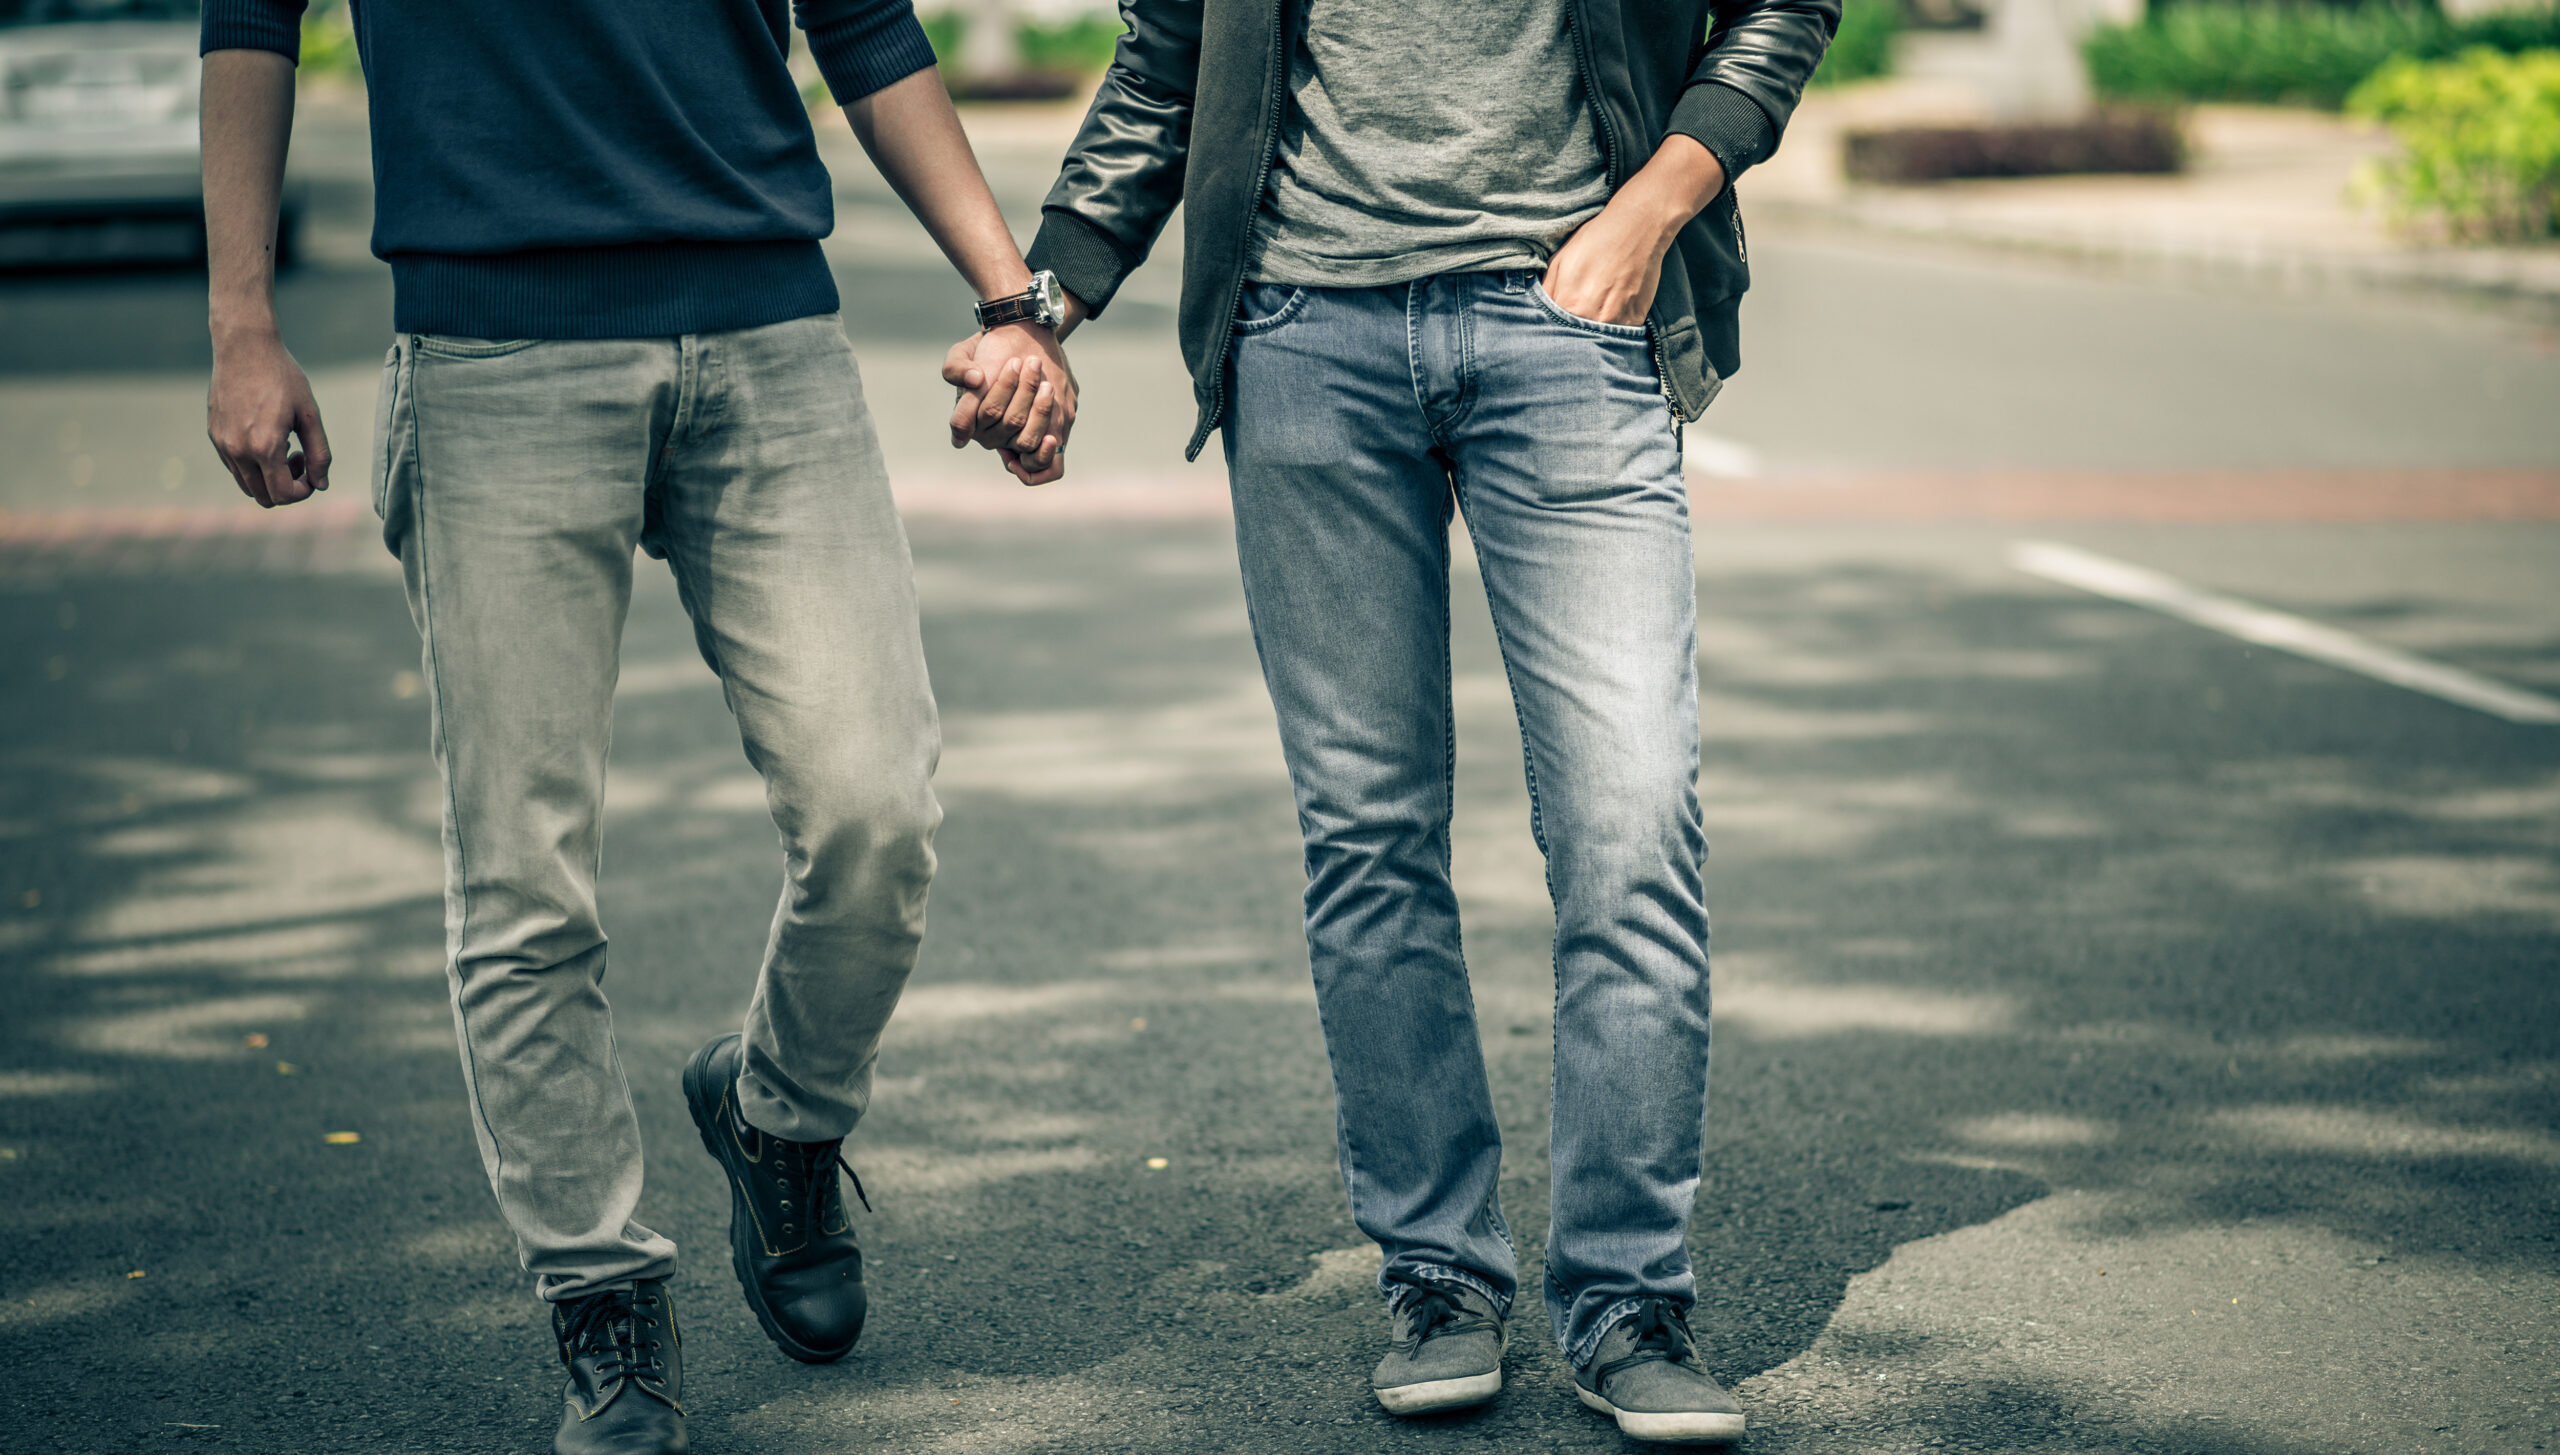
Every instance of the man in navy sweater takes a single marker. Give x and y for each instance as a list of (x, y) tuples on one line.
[(615, 330)]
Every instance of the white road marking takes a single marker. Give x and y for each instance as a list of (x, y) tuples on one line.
[(1719, 458), (2281, 630)]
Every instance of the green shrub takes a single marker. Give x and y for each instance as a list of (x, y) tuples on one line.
[(1082, 45), (2506, 30), (2303, 54), (1863, 49), (2480, 142), (945, 29), (329, 42)]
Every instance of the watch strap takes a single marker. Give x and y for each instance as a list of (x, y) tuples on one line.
[(1020, 308)]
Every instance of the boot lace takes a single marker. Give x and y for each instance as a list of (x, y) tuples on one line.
[(804, 1173), (625, 1330)]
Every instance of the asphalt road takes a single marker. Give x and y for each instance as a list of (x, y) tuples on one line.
[(2127, 1039)]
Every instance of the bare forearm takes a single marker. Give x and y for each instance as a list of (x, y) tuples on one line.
[(1673, 187), (914, 137), (248, 122)]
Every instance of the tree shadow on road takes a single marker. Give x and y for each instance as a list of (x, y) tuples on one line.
[(2004, 910)]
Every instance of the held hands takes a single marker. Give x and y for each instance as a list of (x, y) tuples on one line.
[(1610, 268), (1016, 396), (259, 401)]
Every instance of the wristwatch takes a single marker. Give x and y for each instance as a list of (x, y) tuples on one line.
[(1043, 303)]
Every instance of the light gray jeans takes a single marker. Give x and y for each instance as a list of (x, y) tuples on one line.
[(515, 480)]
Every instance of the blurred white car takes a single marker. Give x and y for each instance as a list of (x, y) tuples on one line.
[(98, 145)]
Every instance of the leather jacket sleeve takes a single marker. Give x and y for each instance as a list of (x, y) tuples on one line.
[(1124, 174), (1745, 85)]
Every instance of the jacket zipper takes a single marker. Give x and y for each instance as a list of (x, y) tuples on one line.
[(1617, 175), (1279, 80)]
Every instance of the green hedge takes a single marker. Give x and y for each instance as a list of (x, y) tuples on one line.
[(2479, 142), (1082, 45), (329, 42), (1863, 49), (2308, 55)]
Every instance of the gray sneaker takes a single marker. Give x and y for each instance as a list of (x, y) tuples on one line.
[(1447, 1352), (1646, 1374)]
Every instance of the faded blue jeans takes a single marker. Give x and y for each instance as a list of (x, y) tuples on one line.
[(1360, 417), (516, 480)]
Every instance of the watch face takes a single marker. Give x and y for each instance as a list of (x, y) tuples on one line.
[(1052, 295)]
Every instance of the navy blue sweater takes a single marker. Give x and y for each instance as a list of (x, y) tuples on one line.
[(598, 168)]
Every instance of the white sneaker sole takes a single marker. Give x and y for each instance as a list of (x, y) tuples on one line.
[(1440, 1394), (1678, 1427)]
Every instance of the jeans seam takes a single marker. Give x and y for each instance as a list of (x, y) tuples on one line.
[(1466, 405), (1253, 630), (1510, 680), (453, 803), (677, 418), (1413, 359)]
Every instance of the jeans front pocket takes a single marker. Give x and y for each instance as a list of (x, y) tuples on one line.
[(1262, 307), (1556, 311), (391, 433)]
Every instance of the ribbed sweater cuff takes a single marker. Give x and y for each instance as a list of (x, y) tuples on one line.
[(252, 25), (1088, 264), (1727, 123), (862, 48)]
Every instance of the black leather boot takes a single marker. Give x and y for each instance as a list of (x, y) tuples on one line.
[(626, 1373), (790, 1234)]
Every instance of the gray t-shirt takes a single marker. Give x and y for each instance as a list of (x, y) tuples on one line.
[(1427, 136)]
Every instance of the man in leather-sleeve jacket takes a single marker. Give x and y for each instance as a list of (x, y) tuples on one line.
[(1194, 102), (1479, 257)]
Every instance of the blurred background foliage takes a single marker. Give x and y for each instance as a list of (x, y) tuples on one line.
[(1077, 44), (1863, 49), (2474, 101), (2479, 143), (2294, 54), (329, 42)]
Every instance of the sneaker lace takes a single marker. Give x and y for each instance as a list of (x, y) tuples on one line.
[(1430, 1312), (1661, 1335)]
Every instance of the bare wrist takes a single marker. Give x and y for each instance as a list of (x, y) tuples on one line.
[(1673, 187), (247, 327), (1003, 282)]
